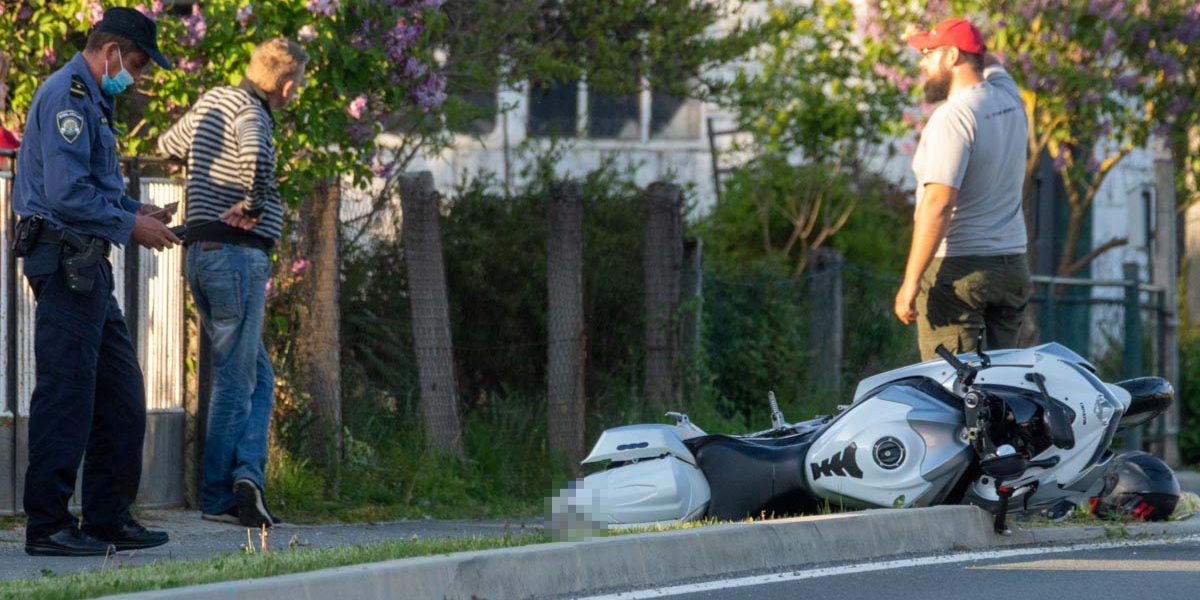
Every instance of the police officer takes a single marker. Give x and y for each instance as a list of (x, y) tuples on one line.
[(90, 394)]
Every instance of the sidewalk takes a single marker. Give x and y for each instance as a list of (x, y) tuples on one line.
[(193, 538)]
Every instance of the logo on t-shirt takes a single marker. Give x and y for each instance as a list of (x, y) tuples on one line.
[(1001, 113)]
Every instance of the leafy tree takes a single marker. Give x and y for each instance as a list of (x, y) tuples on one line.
[(823, 91), (1098, 77)]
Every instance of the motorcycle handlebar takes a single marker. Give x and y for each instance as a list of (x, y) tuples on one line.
[(966, 373), (949, 357)]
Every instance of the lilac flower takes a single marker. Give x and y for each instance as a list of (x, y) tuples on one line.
[(1108, 41), (188, 65), (430, 93), (361, 133), (1128, 82), (935, 8), (911, 119), (414, 68), (244, 14), (1164, 61), (25, 12), (323, 7), (1179, 105), (97, 11), (299, 266), (908, 148), (1060, 161), (401, 37), (892, 74), (196, 27), (357, 106), (49, 55), (156, 8), (1093, 165), (431, 4), (307, 33)]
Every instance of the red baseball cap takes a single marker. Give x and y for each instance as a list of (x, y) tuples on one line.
[(959, 33)]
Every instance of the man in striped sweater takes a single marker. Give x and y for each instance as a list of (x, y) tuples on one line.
[(234, 217)]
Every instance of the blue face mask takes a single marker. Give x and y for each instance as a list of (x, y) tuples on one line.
[(115, 85)]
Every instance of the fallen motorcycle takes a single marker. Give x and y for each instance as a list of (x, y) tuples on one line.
[(1012, 430)]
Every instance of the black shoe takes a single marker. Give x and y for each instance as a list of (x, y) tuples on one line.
[(69, 541), (251, 510), (130, 536)]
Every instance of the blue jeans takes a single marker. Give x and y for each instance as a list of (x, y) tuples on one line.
[(229, 287)]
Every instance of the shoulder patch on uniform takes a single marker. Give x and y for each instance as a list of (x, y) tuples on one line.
[(78, 87), (70, 125)]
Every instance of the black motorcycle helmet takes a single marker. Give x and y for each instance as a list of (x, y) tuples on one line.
[(1137, 484)]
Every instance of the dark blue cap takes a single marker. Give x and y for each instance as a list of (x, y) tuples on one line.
[(132, 25)]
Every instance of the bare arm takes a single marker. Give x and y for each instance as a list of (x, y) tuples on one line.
[(932, 221)]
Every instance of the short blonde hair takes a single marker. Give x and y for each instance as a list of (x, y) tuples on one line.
[(275, 62)]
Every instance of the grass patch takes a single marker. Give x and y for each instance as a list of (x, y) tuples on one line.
[(1080, 517), (12, 522), (164, 575)]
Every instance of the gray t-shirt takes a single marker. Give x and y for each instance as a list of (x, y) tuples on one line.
[(976, 142)]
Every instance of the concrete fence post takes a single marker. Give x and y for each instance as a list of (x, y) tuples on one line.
[(430, 311), (565, 326), (825, 319), (663, 205)]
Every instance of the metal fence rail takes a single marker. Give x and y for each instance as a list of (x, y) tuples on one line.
[(1124, 333), (156, 319)]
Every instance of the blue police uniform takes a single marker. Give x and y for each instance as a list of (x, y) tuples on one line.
[(90, 394)]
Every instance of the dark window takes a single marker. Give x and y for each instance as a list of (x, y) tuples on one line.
[(615, 117), (477, 114), (552, 109), (674, 117)]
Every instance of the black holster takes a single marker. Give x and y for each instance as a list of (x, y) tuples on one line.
[(28, 230), (79, 259)]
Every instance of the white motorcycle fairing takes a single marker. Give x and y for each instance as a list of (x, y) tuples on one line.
[(653, 479)]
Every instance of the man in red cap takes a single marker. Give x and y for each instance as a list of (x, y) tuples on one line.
[(967, 271)]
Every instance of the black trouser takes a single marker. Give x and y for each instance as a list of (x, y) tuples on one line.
[(90, 396)]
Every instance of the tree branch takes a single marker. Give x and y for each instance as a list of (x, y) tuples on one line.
[(1094, 254)]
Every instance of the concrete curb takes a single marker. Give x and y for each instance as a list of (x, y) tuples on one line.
[(650, 559)]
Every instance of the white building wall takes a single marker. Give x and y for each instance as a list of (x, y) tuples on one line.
[(505, 152)]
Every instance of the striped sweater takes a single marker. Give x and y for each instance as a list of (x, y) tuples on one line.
[(227, 139)]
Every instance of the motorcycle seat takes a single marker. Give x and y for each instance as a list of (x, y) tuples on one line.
[(752, 477)]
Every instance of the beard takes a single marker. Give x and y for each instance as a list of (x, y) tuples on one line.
[(937, 88)]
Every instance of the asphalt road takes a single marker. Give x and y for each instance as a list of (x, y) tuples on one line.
[(1164, 570)]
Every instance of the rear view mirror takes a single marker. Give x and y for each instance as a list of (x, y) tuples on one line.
[(1149, 397), (1058, 420)]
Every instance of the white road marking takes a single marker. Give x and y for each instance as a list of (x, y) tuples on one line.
[(925, 561)]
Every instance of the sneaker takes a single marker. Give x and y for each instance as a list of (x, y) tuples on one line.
[(130, 536), (69, 541), (252, 511), (229, 516)]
